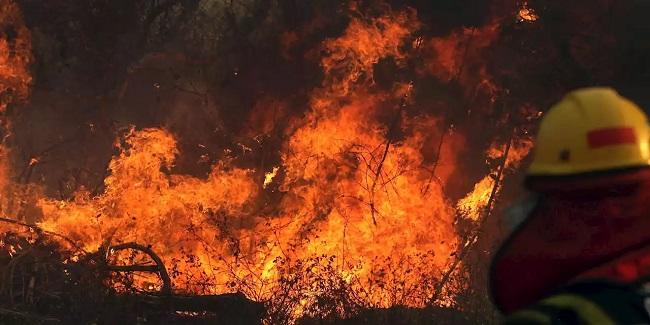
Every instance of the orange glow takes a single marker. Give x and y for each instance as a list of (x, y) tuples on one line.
[(15, 79), (526, 14), (352, 209), (15, 55), (474, 203), (351, 57), (452, 56), (268, 177), (519, 149), (337, 199), (175, 214)]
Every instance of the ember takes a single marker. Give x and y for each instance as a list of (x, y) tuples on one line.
[(323, 160), (526, 14)]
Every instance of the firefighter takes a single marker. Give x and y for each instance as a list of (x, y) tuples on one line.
[(582, 254)]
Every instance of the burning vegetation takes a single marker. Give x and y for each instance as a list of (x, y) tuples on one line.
[(271, 161)]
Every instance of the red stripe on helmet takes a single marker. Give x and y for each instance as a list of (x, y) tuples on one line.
[(611, 136)]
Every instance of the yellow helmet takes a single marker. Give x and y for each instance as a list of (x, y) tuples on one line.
[(591, 130)]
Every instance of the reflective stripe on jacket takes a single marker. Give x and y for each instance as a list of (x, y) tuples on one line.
[(588, 303)]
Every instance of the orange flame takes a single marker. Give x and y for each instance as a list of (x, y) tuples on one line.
[(474, 203), (526, 14), (15, 55), (141, 203), (352, 204), (15, 79), (454, 56), (351, 57)]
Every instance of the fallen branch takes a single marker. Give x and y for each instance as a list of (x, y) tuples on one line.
[(213, 303), (32, 317), (133, 268), (230, 308)]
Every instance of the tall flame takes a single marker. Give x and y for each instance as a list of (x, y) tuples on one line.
[(351, 205), (15, 78), (15, 55)]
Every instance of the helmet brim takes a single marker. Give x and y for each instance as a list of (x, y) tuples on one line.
[(611, 178)]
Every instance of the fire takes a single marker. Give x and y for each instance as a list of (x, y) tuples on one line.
[(15, 79), (458, 55), (15, 55), (352, 56), (268, 177), (353, 212), (526, 14), (473, 204), (349, 192), (175, 214)]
